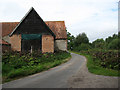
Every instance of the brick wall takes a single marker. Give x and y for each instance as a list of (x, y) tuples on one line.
[(47, 43), (15, 41)]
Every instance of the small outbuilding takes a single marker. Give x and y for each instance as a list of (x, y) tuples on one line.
[(4, 46), (32, 33)]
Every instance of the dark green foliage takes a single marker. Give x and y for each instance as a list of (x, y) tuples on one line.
[(105, 59), (70, 41), (74, 43), (104, 53), (114, 44), (99, 43), (81, 42), (82, 46), (81, 38), (93, 67), (22, 64)]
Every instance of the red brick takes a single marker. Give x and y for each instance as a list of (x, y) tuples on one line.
[(47, 43), (15, 41)]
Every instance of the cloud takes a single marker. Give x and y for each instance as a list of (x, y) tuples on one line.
[(97, 18)]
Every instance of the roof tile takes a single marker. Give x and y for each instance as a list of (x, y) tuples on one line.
[(58, 28), (7, 27)]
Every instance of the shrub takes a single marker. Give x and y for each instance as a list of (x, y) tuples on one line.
[(22, 64), (83, 46), (106, 59), (114, 44)]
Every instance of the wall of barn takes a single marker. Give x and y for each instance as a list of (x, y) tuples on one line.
[(61, 45), (47, 44), (15, 41)]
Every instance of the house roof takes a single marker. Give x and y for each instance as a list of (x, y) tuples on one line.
[(3, 42), (57, 27)]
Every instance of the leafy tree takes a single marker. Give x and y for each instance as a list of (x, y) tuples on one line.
[(70, 41), (81, 42), (114, 44), (83, 46), (99, 43), (81, 38)]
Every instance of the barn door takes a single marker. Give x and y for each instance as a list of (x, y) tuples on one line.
[(31, 42)]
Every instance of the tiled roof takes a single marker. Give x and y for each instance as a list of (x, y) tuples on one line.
[(58, 28), (7, 27), (3, 42)]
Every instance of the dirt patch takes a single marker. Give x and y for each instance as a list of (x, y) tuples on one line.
[(85, 79)]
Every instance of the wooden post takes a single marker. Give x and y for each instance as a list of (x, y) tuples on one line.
[(31, 49)]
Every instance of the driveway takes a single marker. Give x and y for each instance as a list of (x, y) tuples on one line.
[(73, 74)]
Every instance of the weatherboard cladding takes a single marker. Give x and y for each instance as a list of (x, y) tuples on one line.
[(32, 24)]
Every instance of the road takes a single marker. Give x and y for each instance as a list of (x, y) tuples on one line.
[(56, 77)]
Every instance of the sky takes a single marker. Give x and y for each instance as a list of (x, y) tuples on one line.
[(96, 18)]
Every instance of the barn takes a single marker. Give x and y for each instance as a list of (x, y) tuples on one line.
[(32, 33)]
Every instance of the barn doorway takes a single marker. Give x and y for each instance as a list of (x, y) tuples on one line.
[(31, 42)]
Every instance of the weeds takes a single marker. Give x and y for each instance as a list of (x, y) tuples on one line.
[(22, 64), (94, 63)]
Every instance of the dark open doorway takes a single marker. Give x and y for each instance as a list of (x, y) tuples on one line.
[(31, 42)]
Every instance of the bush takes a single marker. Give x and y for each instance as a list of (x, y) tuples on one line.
[(6, 68), (115, 44), (83, 46), (22, 64), (106, 59)]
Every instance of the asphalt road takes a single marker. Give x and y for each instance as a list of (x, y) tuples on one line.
[(53, 78)]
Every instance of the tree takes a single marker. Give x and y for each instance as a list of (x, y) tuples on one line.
[(70, 41), (99, 43), (82, 46), (81, 38), (114, 44)]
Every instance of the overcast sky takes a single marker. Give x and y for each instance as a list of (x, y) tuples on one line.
[(97, 18)]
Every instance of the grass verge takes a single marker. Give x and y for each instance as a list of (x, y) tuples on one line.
[(10, 73), (96, 69)]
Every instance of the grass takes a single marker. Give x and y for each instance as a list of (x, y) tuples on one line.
[(96, 69), (50, 60)]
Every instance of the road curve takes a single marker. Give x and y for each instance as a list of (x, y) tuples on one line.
[(53, 78)]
